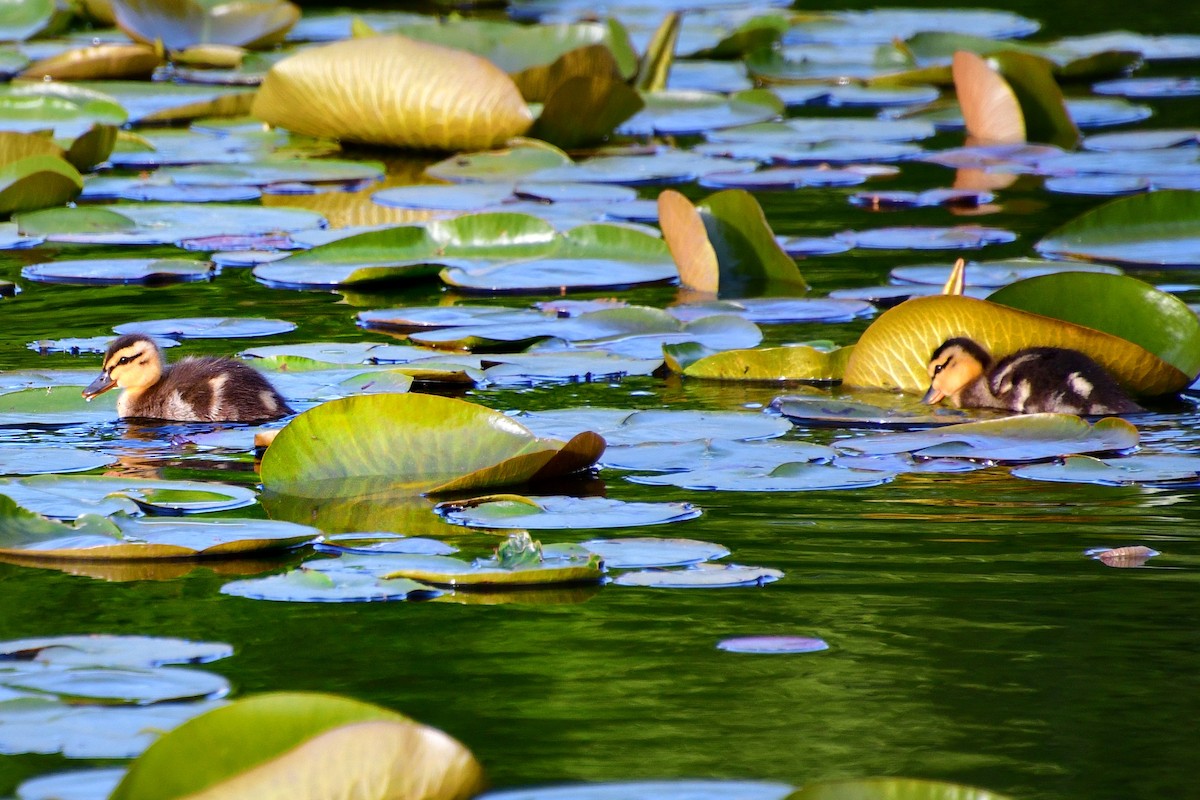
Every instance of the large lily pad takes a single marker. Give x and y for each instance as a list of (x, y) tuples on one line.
[(413, 444), (1159, 228), (311, 741), (701, 576), (558, 513), (378, 91), (893, 352), (1030, 437)]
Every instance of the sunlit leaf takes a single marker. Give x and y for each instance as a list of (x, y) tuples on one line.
[(207, 327), (891, 789), (67, 497), (24, 19), (107, 650), (656, 63), (120, 271), (160, 223), (787, 477), (622, 427), (794, 363), (37, 182), (586, 99), (98, 62), (646, 552), (1159, 228), (1115, 471), (1043, 109), (893, 352), (302, 746), (376, 91), (562, 568)]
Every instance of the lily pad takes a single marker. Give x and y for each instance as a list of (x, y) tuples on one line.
[(624, 427), (489, 573), (1125, 471), (637, 790), (68, 497), (681, 113), (777, 310), (958, 237), (783, 179), (383, 544), (891, 789), (706, 454), (773, 644), (317, 740), (843, 413), (355, 446), (69, 110), (159, 102), (311, 586), (128, 686), (38, 460), (1159, 228), (1029, 437), (208, 327), (768, 364), (994, 274), (184, 24), (523, 158), (78, 784), (106, 650), (648, 552), (560, 513), (701, 576), (121, 271), (788, 477)]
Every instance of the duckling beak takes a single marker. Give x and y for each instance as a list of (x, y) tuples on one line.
[(932, 396), (99, 386)]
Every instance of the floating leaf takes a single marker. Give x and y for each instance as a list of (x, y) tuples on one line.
[(185, 23), (110, 685), (768, 364), (701, 576), (994, 274), (521, 159), (106, 650), (1133, 310), (777, 310), (900, 412), (1123, 557), (23, 20), (957, 237), (307, 740), (383, 543), (97, 62), (208, 327), (37, 460), (1028, 437), (1159, 228), (705, 454), (120, 271), (350, 446), (891, 789), (77, 784), (582, 567), (773, 644), (1124, 471), (662, 790), (648, 552), (681, 113), (37, 182), (893, 352), (309, 586), (788, 477), (560, 513), (68, 497), (68, 110), (376, 91), (159, 102), (624, 427)]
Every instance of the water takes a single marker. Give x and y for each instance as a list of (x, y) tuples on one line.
[(970, 638)]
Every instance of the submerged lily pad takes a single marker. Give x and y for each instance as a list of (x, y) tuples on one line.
[(413, 444), (120, 271), (312, 586), (1029, 437), (1124, 471), (701, 576), (559, 513)]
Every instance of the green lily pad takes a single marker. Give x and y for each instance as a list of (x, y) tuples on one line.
[(957, 237), (560, 513), (1135, 311), (38, 460), (652, 553), (346, 447), (120, 271), (1030, 437), (49, 726), (1159, 228), (317, 740), (311, 586), (637, 790), (701, 576), (265, 173), (664, 166), (891, 789), (680, 113), (110, 685), (625, 427), (208, 327), (705, 454), (162, 103), (783, 179), (1125, 471), (452, 197), (67, 109), (19, 21), (68, 497), (768, 364), (107, 650), (557, 367), (490, 574), (37, 182), (899, 412), (415, 318), (788, 477), (382, 544), (778, 310), (160, 223), (521, 159), (54, 405)]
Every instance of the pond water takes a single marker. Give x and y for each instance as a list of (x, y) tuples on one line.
[(970, 637)]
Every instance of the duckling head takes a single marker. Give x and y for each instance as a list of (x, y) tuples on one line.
[(954, 365), (131, 362)]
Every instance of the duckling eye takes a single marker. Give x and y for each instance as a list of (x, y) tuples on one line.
[(941, 366)]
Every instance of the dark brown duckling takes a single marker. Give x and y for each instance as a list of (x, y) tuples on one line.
[(204, 389), (1030, 381)]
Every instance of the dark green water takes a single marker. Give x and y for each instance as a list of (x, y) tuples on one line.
[(970, 639)]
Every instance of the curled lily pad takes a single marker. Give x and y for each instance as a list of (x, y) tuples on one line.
[(376, 91), (110, 685), (120, 271), (311, 586), (558, 513), (649, 552), (1029, 437), (773, 644), (701, 576), (1115, 471), (1159, 228), (353, 446), (68, 497), (106, 650), (316, 740), (624, 427), (704, 454), (208, 327), (788, 477)]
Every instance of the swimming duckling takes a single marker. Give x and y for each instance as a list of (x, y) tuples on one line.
[(205, 389), (1033, 380)]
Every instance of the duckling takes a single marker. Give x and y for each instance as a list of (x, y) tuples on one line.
[(1033, 380), (205, 389)]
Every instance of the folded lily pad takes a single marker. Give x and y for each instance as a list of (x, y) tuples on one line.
[(311, 586), (788, 477), (67, 497), (701, 576), (309, 740), (1029, 437), (413, 444), (559, 513), (121, 271), (1125, 471)]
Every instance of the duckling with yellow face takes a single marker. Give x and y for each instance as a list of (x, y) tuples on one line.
[(204, 389), (1030, 381)]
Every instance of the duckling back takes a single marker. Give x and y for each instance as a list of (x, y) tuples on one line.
[(208, 389), (1054, 379)]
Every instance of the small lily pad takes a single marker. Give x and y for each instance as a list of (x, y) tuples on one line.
[(994, 274), (701, 576), (709, 454), (110, 685), (788, 477), (959, 237), (488, 573), (1123, 557), (681, 113), (773, 644), (311, 586), (624, 427), (1124, 471), (957, 198), (561, 513), (171, 193), (120, 271), (783, 179), (39, 460), (649, 552), (68, 497), (208, 327), (384, 544)]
